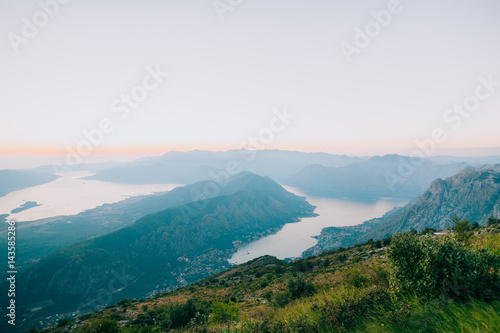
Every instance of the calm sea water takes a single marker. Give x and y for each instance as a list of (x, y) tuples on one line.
[(69, 195), (294, 238)]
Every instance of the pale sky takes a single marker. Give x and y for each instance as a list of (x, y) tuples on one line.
[(227, 76)]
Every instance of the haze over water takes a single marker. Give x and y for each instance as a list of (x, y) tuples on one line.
[(69, 195), (295, 238)]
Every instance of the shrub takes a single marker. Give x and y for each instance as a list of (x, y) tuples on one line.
[(268, 295), (102, 326), (345, 313), (124, 303), (224, 312), (281, 299), (181, 314), (342, 258), (355, 278), (432, 268), (63, 322), (493, 222), (143, 319), (427, 231), (298, 287), (303, 266), (325, 263), (462, 229)]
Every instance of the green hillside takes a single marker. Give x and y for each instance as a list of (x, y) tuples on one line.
[(407, 283), (159, 252)]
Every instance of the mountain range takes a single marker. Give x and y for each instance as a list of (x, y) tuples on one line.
[(192, 166), (379, 176), (472, 194), (14, 180), (160, 251)]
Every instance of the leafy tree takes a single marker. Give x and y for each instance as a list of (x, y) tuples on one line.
[(377, 244), (435, 267), (493, 222), (475, 226), (124, 303), (427, 231), (462, 229)]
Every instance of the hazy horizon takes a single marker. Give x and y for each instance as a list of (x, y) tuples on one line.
[(141, 78), (26, 161)]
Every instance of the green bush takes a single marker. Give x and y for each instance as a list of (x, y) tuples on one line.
[(63, 322), (342, 258), (462, 229), (298, 287), (143, 319), (224, 312), (281, 299), (124, 303), (346, 313), (436, 267), (268, 295), (493, 222), (181, 314), (427, 231), (355, 278), (101, 326)]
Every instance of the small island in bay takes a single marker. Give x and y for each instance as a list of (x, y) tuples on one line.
[(25, 206)]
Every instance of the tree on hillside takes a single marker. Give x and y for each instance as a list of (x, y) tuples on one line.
[(434, 267), (462, 229)]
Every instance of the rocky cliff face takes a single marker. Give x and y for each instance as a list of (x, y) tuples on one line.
[(472, 194)]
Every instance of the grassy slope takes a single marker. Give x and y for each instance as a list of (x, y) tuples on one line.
[(352, 294)]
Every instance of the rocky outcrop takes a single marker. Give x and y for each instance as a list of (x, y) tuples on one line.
[(472, 194)]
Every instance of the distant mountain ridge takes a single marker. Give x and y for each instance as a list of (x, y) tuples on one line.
[(51, 234), (163, 250), (472, 194), (379, 176), (14, 180), (197, 165)]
